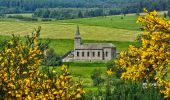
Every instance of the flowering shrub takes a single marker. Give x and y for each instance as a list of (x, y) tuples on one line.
[(20, 77), (150, 61)]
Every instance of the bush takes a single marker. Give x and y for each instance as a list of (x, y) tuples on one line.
[(96, 77), (168, 13), (20, 77), (46, 19), (51, 59), (131, 91), (2, 15), (149, 62), (165, 15), (20, 17), (111, 65), (119, 90)]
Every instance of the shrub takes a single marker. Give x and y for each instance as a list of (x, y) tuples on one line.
[(20, 77), (150, 61), (165, 15), (96, 77), (46, 19), (111, 65), (51, 59), (131, 91), (2, 15), (168, 13), (20, 17), (117, 89)]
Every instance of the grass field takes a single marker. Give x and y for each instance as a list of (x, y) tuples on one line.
[(57, 30), (119, 22)]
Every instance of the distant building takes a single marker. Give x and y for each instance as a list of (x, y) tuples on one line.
[(90, 51)]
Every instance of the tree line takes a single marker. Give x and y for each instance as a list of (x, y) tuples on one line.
[(71, 13), (126, 6)]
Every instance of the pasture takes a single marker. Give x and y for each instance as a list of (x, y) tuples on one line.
[(58, 30), (127, 22)]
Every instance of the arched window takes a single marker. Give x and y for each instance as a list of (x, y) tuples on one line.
[(77, 54), (98, 54), (88, 54), (93, 54), (82, 54), (106, 54)]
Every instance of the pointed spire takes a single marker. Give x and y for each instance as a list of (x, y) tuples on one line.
[(77, 32)]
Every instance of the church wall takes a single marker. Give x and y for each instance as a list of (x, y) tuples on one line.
[(88, 55), (108, 53)]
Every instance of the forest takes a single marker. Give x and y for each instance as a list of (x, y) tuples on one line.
[(124, 6)]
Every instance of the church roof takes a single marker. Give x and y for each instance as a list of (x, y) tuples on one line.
[(95, 46)]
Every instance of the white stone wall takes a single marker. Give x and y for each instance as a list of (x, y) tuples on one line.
[(108, 54), (93, 55)]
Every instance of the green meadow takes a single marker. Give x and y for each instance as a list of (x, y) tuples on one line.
[(127, 22), (58, 30)]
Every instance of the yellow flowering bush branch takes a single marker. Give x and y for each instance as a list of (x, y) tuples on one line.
[(150, 61), (20, 77)]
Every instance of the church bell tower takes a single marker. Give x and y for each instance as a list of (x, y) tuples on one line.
[(77, 38)]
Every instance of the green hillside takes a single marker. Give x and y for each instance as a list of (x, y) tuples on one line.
[(119, 22), (60, 30)]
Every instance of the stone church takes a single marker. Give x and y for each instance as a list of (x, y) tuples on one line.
[(90, 51)]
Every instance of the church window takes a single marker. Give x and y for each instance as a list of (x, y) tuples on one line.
[(98, 54), (88, 54), (77, 54), (106, 54), (93, 54), (82, 54)]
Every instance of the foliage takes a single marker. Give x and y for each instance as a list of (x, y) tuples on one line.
[(70, 13), (120, 90), (165, 15), (96, 77), (46, 19), (20, 77), (2, 15), (119, 6), (51, 59), (131, 91), (20, 17), (149, 62), (117, 89), (168, 13), (112, 67)]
